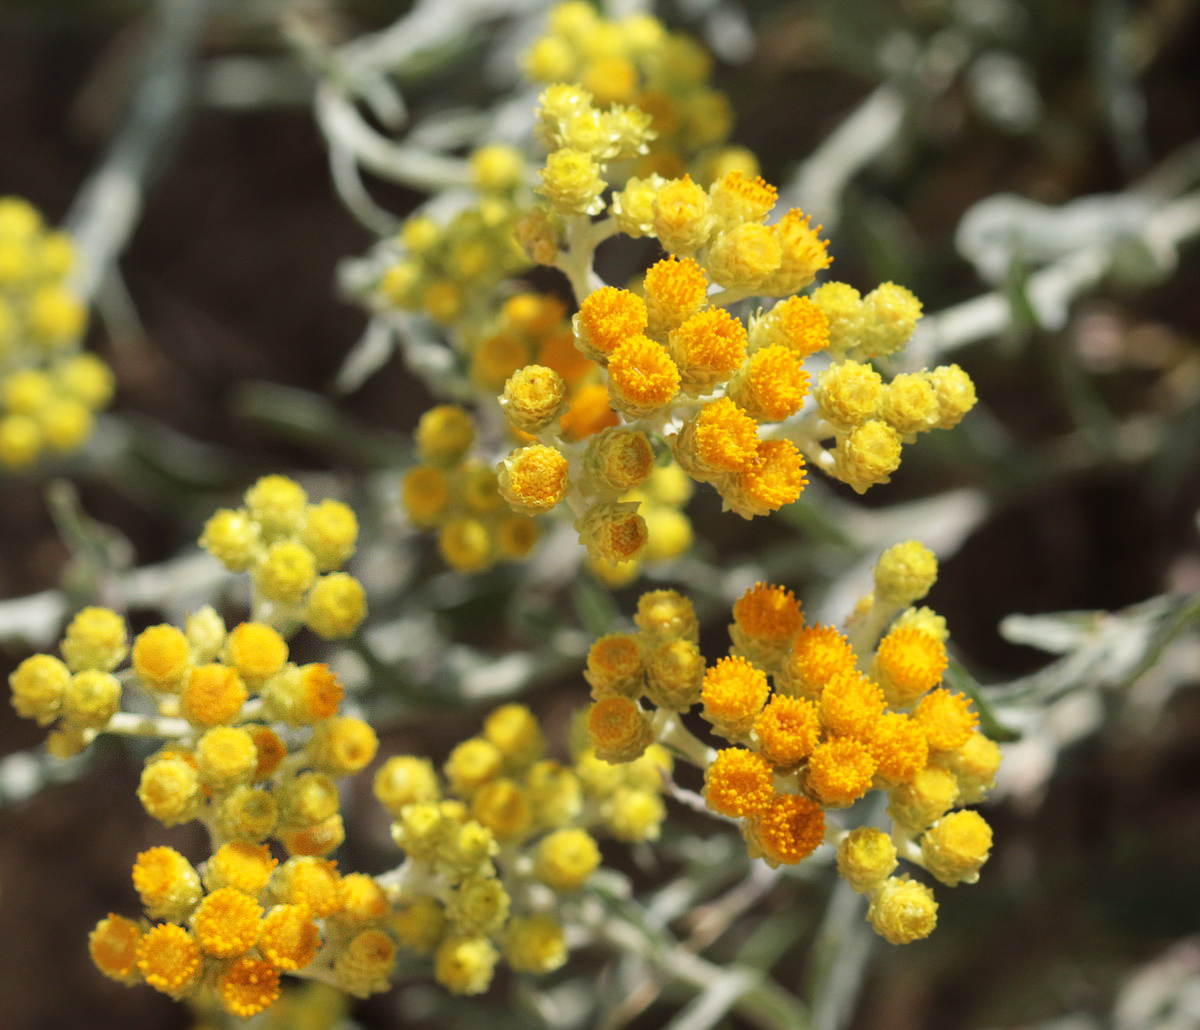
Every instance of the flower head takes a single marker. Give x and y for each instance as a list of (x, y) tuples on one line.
[(788, 830), (738, 782), (708, 348), (676, 288), (642, 377), (733, 694)]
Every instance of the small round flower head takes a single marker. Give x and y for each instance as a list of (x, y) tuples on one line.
[(92, 698), (588, 412), (533, 398), (565, 859), (733, 694), (743, 257), (956, 847), (169, 790), (169, 959), (676, 289), (444, 435), (515, 732), (67, 742), (737, 198), (288, 938), (642, 377), (554, 793), (232, 537), (166, 883), (226, 756), (675, 674), (955, 394), (331, 533), (708, 348), (20, 441), (849, 393), (336, 606), (405, 780), (55, 316), (162, 658), (571, 181), (95, 639), (496, 358), (787, 831), (303, 695), (612, 531), (765, 618), (634, 815), (284, 571), (418, 923), (720, 438), (516, 536), (466, 544), (787, 730), (205, 633), (666, 614), (321, 838), (248, 986), (681, 220), (738, 782), (840, 771), (533, 479), (112, 945), (471, 764), (425, 494), (464, 965), (307, 799), (618, 459), (247, 814), (865, 858), (87, 378), (343, 745), (774, 479), (946, 719), (889, 317), (669, 532), (771, 385), (908, 663), (312, 883), (974, 766), (560, 101), (214, 694), (802, 255), (38, 686), (363, 966), (817, 654), (867, 456), (479, 904), (633, 206), (227, 922), (535, 944), (607, 318), (240, 864), (278, 505), (899, 748), (851, 706), (905, 573), (903, 911), (503, 807), (497, 168), (66, 424), (924, 799), (909, 404), (467, 846), (618, 728)]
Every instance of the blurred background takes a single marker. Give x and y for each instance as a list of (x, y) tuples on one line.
[(1030, 170)]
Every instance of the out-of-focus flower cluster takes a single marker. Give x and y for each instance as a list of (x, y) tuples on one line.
[(814, 723), (50, 390), (497, 845)]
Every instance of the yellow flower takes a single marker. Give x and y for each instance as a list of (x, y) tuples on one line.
[(227, 922), (336, 606), (818, 654), (908, 663), (676, 288), (496, 358), (466, 544), (311, 883), (675, 674), (903, 911), (405, 780), (851, 706), (248, 986), (278, 504), (666, 614), (788, 830), (571, 181), (232, 537), (95, 639), (772, 385), (503, 807), (533, 398), (905, 573), (565, 859), (169, 959), (418, 924), (588, 412), (743, 257), (974, 766), (787, 730), (765, 618), (464, 965), (618, 728), (898, 745), (802, 255), (840, 771), (162, 658), (169, 790), (425, 494), (612, 531), (642, 377), (615, 665), (849, 393), (113, 945), (533, 479), (342, 745), (535, 944), (166, 883), (738, 783), (923, 800), (289, 939), (733, 694), (618, 460), (955, 393), (681, 221), (471, 764), (775, 478), (633, 207), (708, 348), (39, 685), (737, 198), (366, 962), (910, 404), (842, 307), (607, 318), (889, 316), (865, 858), (226, 756), (634, 815), (331, 533), (946, 719), (444, 434), (284, 571), (956, 847), (867, 456), (720, 438), (497, 168), (241, 864)]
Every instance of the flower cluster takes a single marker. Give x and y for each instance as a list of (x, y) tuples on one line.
[(293, 551), (636, 61), (814, 723), (498, 842), (50, 390)]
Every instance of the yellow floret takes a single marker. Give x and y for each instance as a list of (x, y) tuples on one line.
[(533, 398), (633, 207), (240, 864), (312, 883), (425, 494), (247, 814), (681, 219), (720, 438), (516, 536), (737, 198), (772, 385), (765, 618), (366, 962), (787, 831), (889, 316), (331, 533), (95, 639), (909, 404), (91, 699), (708, 348), (535, 944), (787, 730), (908, 663), (589, 412), (27, 391), (554, 792), (955, 849), (65, 424), (301, 696), (113, 945), (20, 441), (840, 771), (669, 533), (818, 654), (618, 460), (232, 537), (851, 706), (166, 882), (214, 694), (479, 904), (466, 544), (738, 782), (946, 719), (733, 694), (607, 318), (86, 378), (867, 456), (336, 606), (307, 799), (444, 434), (903, 911), (464, 965), (418, 924), (404, 780), (226, 756), (162, 658), (169, 959), (248, 986), (363, 901), (675, 674), (227, 922), (256, 651), (565, 859), (665, 614), (924, 799), (55, 316), (618, 728), (284, 571), (533, 479), (955, 393), (634, 815), (642, 377), (865, 858), (974, 766), (169, 790), (774, 479), (503, 807), (497, 168), (471, 764), (319, 839), (743, 257), (289, 939), (515, 732), (842, 307), (899, 748), (676, 289), (905, 573), (496, 358), (572, 182), (612, 531), (342, 745), (38, 686), (848, 394), (802, 255), (278, 505)]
